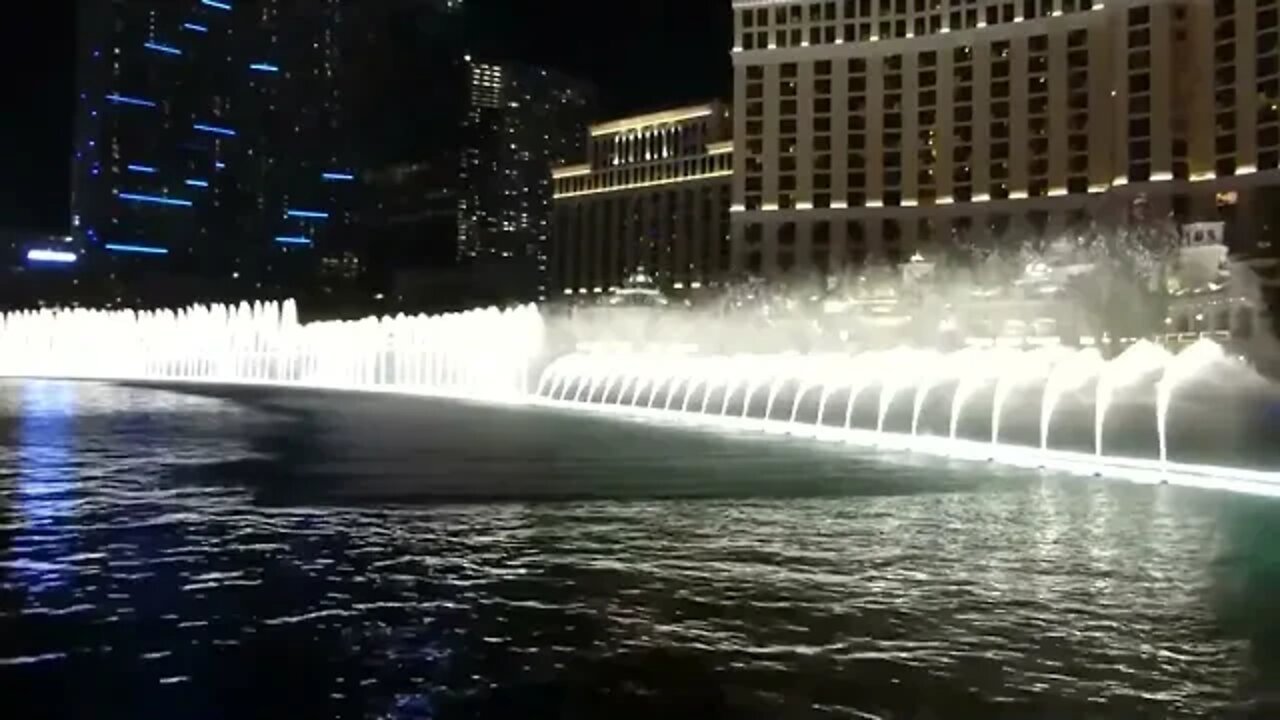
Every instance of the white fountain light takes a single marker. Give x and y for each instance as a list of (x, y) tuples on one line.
[(489, 354)]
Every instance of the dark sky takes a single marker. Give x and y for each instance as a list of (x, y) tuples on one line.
[(641, 55)]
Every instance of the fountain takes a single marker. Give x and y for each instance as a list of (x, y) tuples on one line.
[(1046, 374), (490, 355), (485, 354)]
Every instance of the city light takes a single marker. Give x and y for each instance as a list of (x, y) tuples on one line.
[(154, 199), (198, 183), (264, 67), (306, 214), (216, 4), (334, 176), (139, 249), (213, 129), (125, 100), (147, 169), (195, 28), (162, 48), (51, 256), (293, 240)]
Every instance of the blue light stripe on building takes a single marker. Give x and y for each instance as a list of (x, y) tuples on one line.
[(141, 249), (194, 27), (61, 257), (214, 129), (216, 4), (198, 183), (141, 169), (155, 199), (264, 67), (306, 214), (338, 177), (162, 48), (125, 100), (293, 240)]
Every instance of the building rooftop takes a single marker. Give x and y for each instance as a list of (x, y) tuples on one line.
[(637, 122)]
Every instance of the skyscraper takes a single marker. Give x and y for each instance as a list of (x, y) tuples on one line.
[(521, 121), (209, 156), (876, 128)]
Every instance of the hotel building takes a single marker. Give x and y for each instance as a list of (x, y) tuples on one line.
[(653, 195), (873, 129)]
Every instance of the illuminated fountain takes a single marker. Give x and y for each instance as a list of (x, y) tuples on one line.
[(480, 354), (493, 355), (706, 389)]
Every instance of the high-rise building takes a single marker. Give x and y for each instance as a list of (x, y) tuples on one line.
[(210, 157), (878, 128), (521, 121), (653, 196)]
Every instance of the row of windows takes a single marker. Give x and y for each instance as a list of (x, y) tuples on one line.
[(669, 171), (928, 130), (1268, 82), (677, 234), (652, 143), (792, 27), (1224, 96)]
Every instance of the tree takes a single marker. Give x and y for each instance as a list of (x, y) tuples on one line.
[(1124, 292)]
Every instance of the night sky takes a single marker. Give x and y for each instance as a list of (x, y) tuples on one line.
[(641, 55)]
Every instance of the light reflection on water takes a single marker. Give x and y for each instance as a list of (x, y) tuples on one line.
[(188, 556)]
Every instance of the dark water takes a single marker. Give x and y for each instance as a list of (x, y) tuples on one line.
[(175, 556)]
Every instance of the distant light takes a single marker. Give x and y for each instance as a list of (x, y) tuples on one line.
[(216, 4), (213, 129), (155, 199), (338, 176), (264, 67), (287, 240), (198, 183), (140, 249), (124, 100), (162, 48), (141, 169), (219, 164), (195, 27), (51, 256), (306, 214)]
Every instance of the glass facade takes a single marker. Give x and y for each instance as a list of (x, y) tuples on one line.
[(209, 158)]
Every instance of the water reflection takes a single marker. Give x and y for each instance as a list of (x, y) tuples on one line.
[(46, 490)]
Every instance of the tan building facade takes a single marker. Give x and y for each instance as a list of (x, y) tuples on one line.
[(654, 194), (874, 129)]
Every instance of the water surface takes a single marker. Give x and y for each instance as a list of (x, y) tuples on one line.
[(251, 554)]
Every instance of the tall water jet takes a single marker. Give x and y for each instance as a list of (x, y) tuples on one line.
[(906, 369), (930, 372), (1072, 374), (1014, 372), (866, 371), (1184, 366), (1129, 367), (973, 375)]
